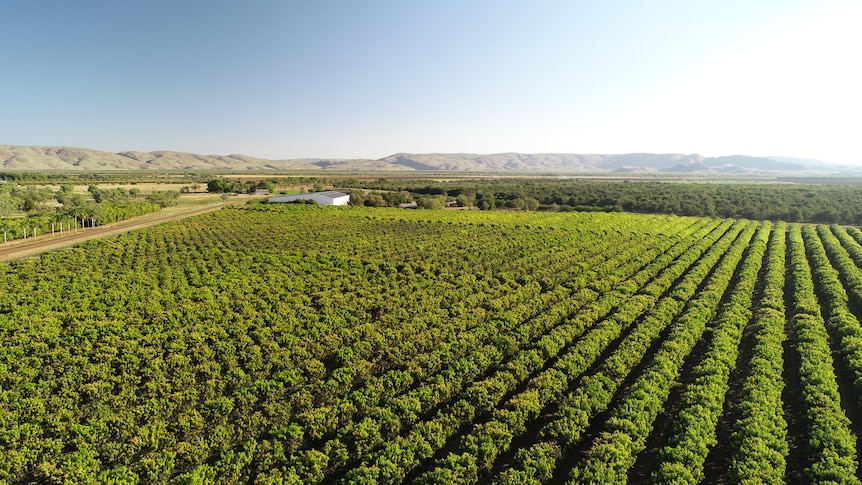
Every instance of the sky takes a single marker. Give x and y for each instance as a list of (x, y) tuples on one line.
[(284, 79)]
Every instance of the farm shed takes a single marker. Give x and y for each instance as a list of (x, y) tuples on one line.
[(323, 198)]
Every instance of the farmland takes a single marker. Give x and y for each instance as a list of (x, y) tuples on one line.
[(299, 344)]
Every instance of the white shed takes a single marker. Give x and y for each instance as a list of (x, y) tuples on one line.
[(322, 198)]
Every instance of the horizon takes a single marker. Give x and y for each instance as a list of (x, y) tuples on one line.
[(777, 158), (365, 81)]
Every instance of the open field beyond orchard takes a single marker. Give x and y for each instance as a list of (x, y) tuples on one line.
[(265, 343)]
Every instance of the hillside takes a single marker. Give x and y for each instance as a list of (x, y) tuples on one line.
[(25, 158), (21, 158)]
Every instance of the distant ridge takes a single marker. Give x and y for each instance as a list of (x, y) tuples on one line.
[(37, 159)]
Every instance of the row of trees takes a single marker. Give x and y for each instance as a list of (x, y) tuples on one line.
[(29, 210), (22, 199), (386, 348), (788, 202), (239, 325), (792, 202), (759, 439), (625, 433), (223, 185), (84, 178), (534, 342), (822, 246), (831, 446), (595, 390), (694, 429), (615, 312)]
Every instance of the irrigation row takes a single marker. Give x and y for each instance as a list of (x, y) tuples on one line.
[(614, 452), (398, 457), (694, 425), (488, 440), (596, 390), (831, 452), (760, 435)]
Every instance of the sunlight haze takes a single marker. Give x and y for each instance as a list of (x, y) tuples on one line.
[(367, 79)]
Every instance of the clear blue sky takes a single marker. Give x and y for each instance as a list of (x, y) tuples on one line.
[(289, 79)]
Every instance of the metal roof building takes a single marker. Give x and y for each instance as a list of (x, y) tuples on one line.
[(330, 197)]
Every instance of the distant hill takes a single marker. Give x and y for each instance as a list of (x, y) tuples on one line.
[(38, 159), (26, 158)]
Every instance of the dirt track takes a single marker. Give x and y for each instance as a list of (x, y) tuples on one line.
[(19, 249)]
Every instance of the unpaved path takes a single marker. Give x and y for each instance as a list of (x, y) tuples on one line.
[(18, 249)]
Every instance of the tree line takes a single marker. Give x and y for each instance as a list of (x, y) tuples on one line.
[(791, 202), (28, 209)]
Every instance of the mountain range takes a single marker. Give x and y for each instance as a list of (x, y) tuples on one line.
[(33, 158)]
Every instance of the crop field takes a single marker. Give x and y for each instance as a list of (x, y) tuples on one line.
[(300, 344)]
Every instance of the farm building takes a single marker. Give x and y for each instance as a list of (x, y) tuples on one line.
[(322, 198)]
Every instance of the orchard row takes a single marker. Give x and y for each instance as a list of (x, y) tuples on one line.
[(300, 344)]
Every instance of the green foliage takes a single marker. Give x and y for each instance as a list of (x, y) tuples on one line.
[(84, 178), (431, 202), (222, 185), (167, 198), (787, 202), (682, 460), (303, 344), (760, 435), (629, 426), (831, 445), (79, 216), (30, 204)]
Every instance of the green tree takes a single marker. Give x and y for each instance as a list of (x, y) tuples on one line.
[(264, 184), (396, 198), (486, 202), (375, 200), (95, 192), (216, 186), (167, 198), (357, 197), (8, 205), (431, 202)]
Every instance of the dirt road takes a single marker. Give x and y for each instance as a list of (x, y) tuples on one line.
[(19, 249)]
